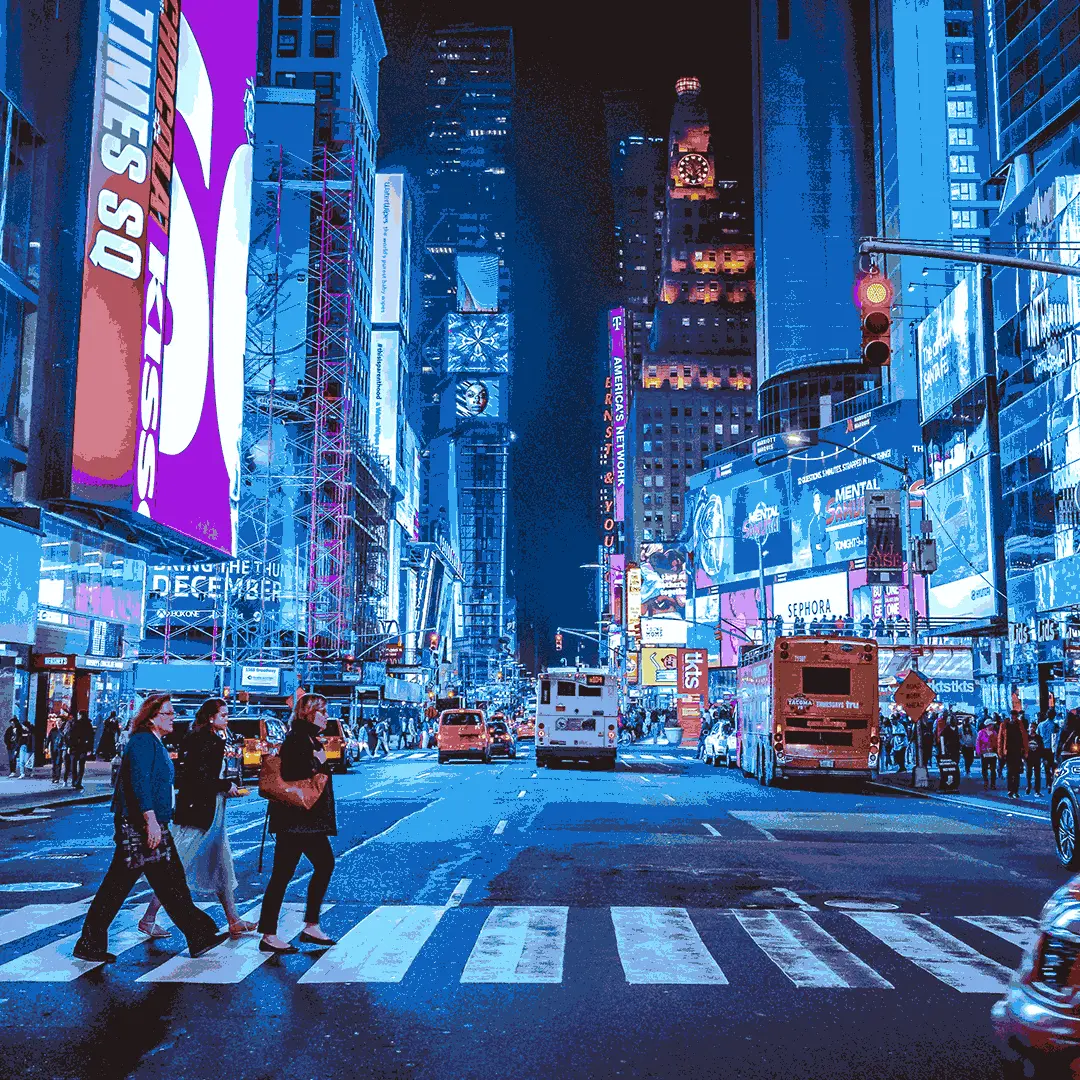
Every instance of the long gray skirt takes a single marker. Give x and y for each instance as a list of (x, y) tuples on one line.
[(206, 856)]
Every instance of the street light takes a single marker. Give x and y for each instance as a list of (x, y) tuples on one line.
[(598, 567)]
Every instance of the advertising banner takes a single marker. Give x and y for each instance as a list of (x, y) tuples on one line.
[(388, 297), (739, 623), (200, 592), (962, 587), (663, 581), (950, 342), (633, 601), (616, 586), (20, 567), (478, 343), (762, 512), (620, 390), (693, 668), (477, 282), (160, 383), (479, 398), (824, 598), (664, 631), (658, 667), (632, 667), (383, 395), (884, 538)]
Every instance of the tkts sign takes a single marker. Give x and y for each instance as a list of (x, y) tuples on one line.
[(693, 672)]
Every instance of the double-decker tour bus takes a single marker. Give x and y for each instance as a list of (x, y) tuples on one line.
[(577, 716), (808, 706)]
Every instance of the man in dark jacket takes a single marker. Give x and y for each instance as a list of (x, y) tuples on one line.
[(80, 743), (1013, 749), (11, 744)]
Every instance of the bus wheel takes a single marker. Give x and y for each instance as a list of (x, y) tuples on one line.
[(760, 770)]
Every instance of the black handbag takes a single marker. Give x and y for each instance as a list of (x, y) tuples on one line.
[(136, 848)]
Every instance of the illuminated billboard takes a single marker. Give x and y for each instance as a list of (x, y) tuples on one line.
[(203, 592), (383, 395), (477, 282), (762, 512), (950, 347), (163, 322), (659, 667), (738, 622), (620, 391), (479, 398), (478, 343), (663, 581), (390, 264)]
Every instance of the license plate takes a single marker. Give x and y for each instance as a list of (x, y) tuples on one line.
[(828, 764)]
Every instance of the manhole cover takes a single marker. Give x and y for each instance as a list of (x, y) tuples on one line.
[(39, 886), (862, 905)]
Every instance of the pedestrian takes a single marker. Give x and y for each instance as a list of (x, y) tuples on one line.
[(967, 744), (110, 731), (1013, 750), (1034, 758), (382, 736), (299, 832), (142, 809), (202, 842), (949, 745), (926, 739), (80, 743), (26, 750), (899, 746), (57, 743), (706, 727), (1048, 732), (986, 751), (12, 735), (1068, 743), (372, 736)]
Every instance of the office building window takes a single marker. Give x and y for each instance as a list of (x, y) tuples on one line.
[(325, 82), (962, 163), (321, 9), (963, 191), (324, 44), (960, 80), (965, 219), (287, 43), (290, 7), (961, 110), (961, 136)]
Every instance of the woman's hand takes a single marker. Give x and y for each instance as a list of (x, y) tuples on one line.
[(232, 792), (320, 756), (153, 830)]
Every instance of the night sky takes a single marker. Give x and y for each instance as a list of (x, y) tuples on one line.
[(563, 271)]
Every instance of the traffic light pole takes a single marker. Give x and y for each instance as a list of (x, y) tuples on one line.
[(875, 245)]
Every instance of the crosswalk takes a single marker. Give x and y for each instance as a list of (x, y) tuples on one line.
[(527, 944)]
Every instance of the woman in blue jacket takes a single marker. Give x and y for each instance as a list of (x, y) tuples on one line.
[(142, 808)]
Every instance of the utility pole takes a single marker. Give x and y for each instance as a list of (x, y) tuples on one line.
[(876, 245)]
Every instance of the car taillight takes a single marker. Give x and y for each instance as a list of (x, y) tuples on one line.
[(778, 739), (611, 733)]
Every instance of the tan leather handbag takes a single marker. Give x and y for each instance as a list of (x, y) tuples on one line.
[(302, 793)]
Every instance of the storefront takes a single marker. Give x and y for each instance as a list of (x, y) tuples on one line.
[(67, 684), (20, 558)]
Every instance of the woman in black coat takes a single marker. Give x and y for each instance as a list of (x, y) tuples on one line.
[(301, 832), (202, 841)]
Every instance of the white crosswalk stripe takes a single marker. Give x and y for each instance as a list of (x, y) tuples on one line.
[(945, 957), (54, 962), (807, 954), (1020, 930), (661, 945), (519, 945), (30, 919), (380, 948)]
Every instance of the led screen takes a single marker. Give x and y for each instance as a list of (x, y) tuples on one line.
[(950, 347), (620, 390), (478, 343), (160, 382), (387, 292), (383, 395), (477, 282)]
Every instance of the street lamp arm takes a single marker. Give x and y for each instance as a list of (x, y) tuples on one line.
[(394, 637), (872, 245), (901, 469), (588, 635)]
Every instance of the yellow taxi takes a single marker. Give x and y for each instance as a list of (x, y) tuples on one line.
[(335, 740), (261, 737)]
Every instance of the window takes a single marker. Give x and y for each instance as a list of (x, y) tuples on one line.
[(290, 7), (963, 191), (686, 320), (288, 43), (566, 689), (326, 8), (324, 44), (647, 446), (821, 680), (325, 82), (965, 219), (962, 163), (961, 136), (285, 78), (961, 110), (960, 80)]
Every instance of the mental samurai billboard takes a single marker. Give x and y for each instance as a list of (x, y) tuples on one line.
[(160, 379)]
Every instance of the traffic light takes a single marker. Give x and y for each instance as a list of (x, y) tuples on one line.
[(433, 641), (558, 641), (875, 296)]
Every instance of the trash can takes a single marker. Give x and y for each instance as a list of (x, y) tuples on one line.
[(949, 772)]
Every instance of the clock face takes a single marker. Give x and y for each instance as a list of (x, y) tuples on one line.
[(693, 169)]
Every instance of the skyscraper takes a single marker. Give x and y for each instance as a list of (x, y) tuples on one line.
[(468, 305)]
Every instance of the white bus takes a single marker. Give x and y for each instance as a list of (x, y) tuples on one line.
[(577, 716)]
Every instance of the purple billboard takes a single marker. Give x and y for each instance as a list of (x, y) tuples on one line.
[(187, 458), (619, 406)]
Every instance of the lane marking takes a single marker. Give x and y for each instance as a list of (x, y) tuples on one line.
[(534, 776), (244, 828), (807, 954), (709, 829), (54, 962), (39, 886), (380, 948), (669, 757), (796, 899), (670, 798), (963, 800), (460, 889), (499, 828), (372, 839), (34, 917), (1021, 930), (372, 794), (963, 857), (521, 794), (661, 945), (945, 957), (519, 945)]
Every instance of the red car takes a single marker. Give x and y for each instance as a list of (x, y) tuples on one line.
[(1037, 1023)]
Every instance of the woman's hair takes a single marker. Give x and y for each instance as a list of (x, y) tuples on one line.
[(306, 705), (207, 711), (148, 711)]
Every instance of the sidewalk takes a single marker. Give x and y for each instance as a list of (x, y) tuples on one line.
[(971, 788), (18, 794)]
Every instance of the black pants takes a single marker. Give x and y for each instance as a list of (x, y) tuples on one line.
[(57, 762), (989, 770), (1014, 768), (78, 767), (1034, 768), (170, 887), (288, 847), (1048, 765), (969, 756)]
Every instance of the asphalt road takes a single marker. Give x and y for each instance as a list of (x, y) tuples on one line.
[(670, 920)]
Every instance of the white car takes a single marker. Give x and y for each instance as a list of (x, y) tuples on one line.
[(721, 744)]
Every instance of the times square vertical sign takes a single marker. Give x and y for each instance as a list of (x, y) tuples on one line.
[(160, 376)]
